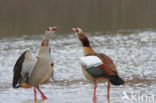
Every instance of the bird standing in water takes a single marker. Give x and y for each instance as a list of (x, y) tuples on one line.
[(97, 67), (32, 71)]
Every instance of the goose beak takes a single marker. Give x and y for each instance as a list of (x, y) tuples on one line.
[(55, 28), (75, 30)]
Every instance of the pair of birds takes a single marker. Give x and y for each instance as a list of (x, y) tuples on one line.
[(32, 71)]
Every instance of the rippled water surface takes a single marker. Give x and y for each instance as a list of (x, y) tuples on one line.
[(134, 55)]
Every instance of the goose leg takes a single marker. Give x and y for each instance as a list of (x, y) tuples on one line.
[(94, 96), (108, 89), (42, 94), (35, 96)]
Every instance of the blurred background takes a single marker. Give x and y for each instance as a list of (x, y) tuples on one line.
[(18, 17)]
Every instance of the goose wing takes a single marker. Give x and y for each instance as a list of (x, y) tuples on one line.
[(98, 65), (92, 65), (23, 68)]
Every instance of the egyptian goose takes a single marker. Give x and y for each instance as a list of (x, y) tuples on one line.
[(32, 71), (97, 67)]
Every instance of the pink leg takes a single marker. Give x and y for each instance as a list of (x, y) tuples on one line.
[(42, 94), (35, 97), (94, 96), (108, 89)]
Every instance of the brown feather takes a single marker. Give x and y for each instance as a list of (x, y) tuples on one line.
[(108, 67), (105, 68)]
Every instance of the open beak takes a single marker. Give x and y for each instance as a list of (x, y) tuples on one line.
[(75, 30), (55, 28)]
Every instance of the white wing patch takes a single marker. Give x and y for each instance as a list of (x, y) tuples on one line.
[(89, 61), (28, 64)]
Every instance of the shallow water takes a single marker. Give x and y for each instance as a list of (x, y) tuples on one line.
[(134, 55)]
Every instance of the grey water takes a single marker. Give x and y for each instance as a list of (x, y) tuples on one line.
[(134, 54)]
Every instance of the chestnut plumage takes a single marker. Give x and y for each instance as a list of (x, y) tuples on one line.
[(100, 72)]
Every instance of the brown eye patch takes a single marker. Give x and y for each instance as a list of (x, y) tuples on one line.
[(48, 29)]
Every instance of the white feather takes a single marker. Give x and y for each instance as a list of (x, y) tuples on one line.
[(28, 64), (90, 61)]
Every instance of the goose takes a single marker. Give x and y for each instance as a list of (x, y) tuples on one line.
[(32, 71), (97, 67)]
